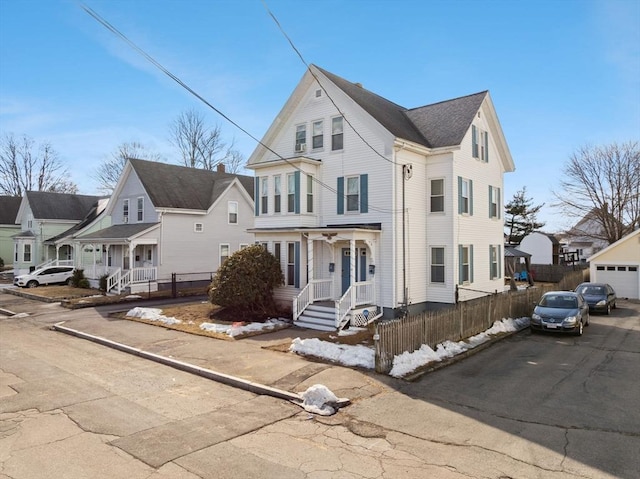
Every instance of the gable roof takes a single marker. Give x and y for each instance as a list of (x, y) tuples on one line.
[(173, 186), (60, 206), (9, 206), (624, 239), (95, 211), (437, 125)]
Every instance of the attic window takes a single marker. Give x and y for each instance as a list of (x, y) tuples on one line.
[(198, 227), (318, 93)]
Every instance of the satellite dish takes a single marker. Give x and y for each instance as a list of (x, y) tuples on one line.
[(408, 171)]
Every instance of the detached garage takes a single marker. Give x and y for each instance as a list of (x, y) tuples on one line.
[(619, 265)]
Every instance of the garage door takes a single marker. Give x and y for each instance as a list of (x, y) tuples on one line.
[(624, 279)]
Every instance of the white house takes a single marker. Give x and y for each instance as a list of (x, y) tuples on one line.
[(544, 248), (619, 265), (42, 216), (584, 239), (374, 209), (168, 219)]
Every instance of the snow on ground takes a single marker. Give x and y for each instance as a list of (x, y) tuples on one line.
[(319, 399), (238, 329), (151, 314), (404, 363)]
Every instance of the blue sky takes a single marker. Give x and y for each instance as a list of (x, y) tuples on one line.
[(562, 73)]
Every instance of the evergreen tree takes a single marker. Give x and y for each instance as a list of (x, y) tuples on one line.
[(520, 217)]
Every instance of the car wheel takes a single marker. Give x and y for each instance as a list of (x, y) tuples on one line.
[(68, 281), (608, 309), (32, 284), (614, 305), (588, 320), (580, 329)]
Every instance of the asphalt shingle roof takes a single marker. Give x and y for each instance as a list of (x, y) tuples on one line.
[(436, 125), (9, 206), (116, 232), (60, 206), (172, 186)]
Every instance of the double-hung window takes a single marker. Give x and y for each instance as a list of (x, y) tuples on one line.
[(437, 264), (465, 196), (494, 202), (301, 138), (125, 210), (264, 195), (291, 193), (337, 133), (26, 253), (317, 135), (309, 194), (277, 194), (353, 194), (437, 196), (479, 144), (494, 261), (140, 209), (198, 227), (224, 252), (232, 207), (291, 264), (465, 264)]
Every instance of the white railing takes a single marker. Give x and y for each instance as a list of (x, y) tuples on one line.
[(301, 301), (343, 306), (142, 275), (322, 289), (56, 262), (365, 293), (114, 280)]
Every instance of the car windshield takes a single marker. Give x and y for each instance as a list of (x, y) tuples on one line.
[(592, 290), (559, 301)]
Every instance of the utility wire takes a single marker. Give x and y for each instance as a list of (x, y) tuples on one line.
[(164, 70), (295, 49)]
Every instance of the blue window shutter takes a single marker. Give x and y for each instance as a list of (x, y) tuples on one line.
[(499, 207), (499, 261), (470, 197), (340, 194), (490, 260), (364, 193), (296, 179), (296, 274), (486, 147), (471, 263), (256, 195), (460, 280), (459, 194), (490, 198), (474, 141)]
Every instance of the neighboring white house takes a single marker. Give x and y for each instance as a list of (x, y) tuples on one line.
[(374, 209), (544, 248), (44, 215), (619, 265), (584, 239), (168, 219)]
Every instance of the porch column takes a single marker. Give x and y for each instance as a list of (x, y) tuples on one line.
[(310, 269), (352, 270), (57, 253)]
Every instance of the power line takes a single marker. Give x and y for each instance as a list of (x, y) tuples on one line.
[(176, 79)]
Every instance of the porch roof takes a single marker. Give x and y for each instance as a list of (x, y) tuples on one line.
[(24, 234), (119, 232)]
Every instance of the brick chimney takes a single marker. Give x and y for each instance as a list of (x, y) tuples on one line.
[(221, 168)]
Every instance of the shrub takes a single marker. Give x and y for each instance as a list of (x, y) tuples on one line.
[(78, 275), (1, 263), (246, 281), (102, 285), (84, 283)]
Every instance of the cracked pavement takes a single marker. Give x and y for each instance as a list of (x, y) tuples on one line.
[(528, 407)]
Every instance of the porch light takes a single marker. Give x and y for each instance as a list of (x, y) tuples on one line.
[(372, 269), (332, 267)]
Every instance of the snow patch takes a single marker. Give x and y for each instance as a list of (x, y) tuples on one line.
[(318, 399), (152, 314)]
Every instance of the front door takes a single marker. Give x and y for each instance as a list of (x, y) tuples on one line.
[(361, 267)]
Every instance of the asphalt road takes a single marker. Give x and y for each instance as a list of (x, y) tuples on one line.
[(530, 406)]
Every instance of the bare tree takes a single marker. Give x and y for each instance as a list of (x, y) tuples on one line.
[(603, 182), (201, 146), (108, 173), (25, 167)]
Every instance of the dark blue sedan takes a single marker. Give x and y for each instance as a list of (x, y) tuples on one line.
[(599, 296), (560, 312)]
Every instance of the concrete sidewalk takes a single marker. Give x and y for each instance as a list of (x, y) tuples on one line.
[(249, 359)]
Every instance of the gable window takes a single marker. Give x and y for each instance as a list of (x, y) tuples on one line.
[(494, 261), (479, 144), (317, 135), (224, 252), (437, 264), (437, 196), (198, 227), (494, 202), (277, 194), (465, 264), (309, 194), (301, 138), (465, 196), (30, 222), (232, 207), (336, 133), (291, 193), (140, 209), (125, 211), (264, 195), (353, 196), (26, 253)]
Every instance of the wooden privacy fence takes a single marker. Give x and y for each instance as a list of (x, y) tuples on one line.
[(461, 321)]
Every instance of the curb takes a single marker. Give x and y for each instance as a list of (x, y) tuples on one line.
[(233, 381), (35, 297)]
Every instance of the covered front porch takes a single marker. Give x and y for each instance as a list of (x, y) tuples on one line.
[(341, 284)]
